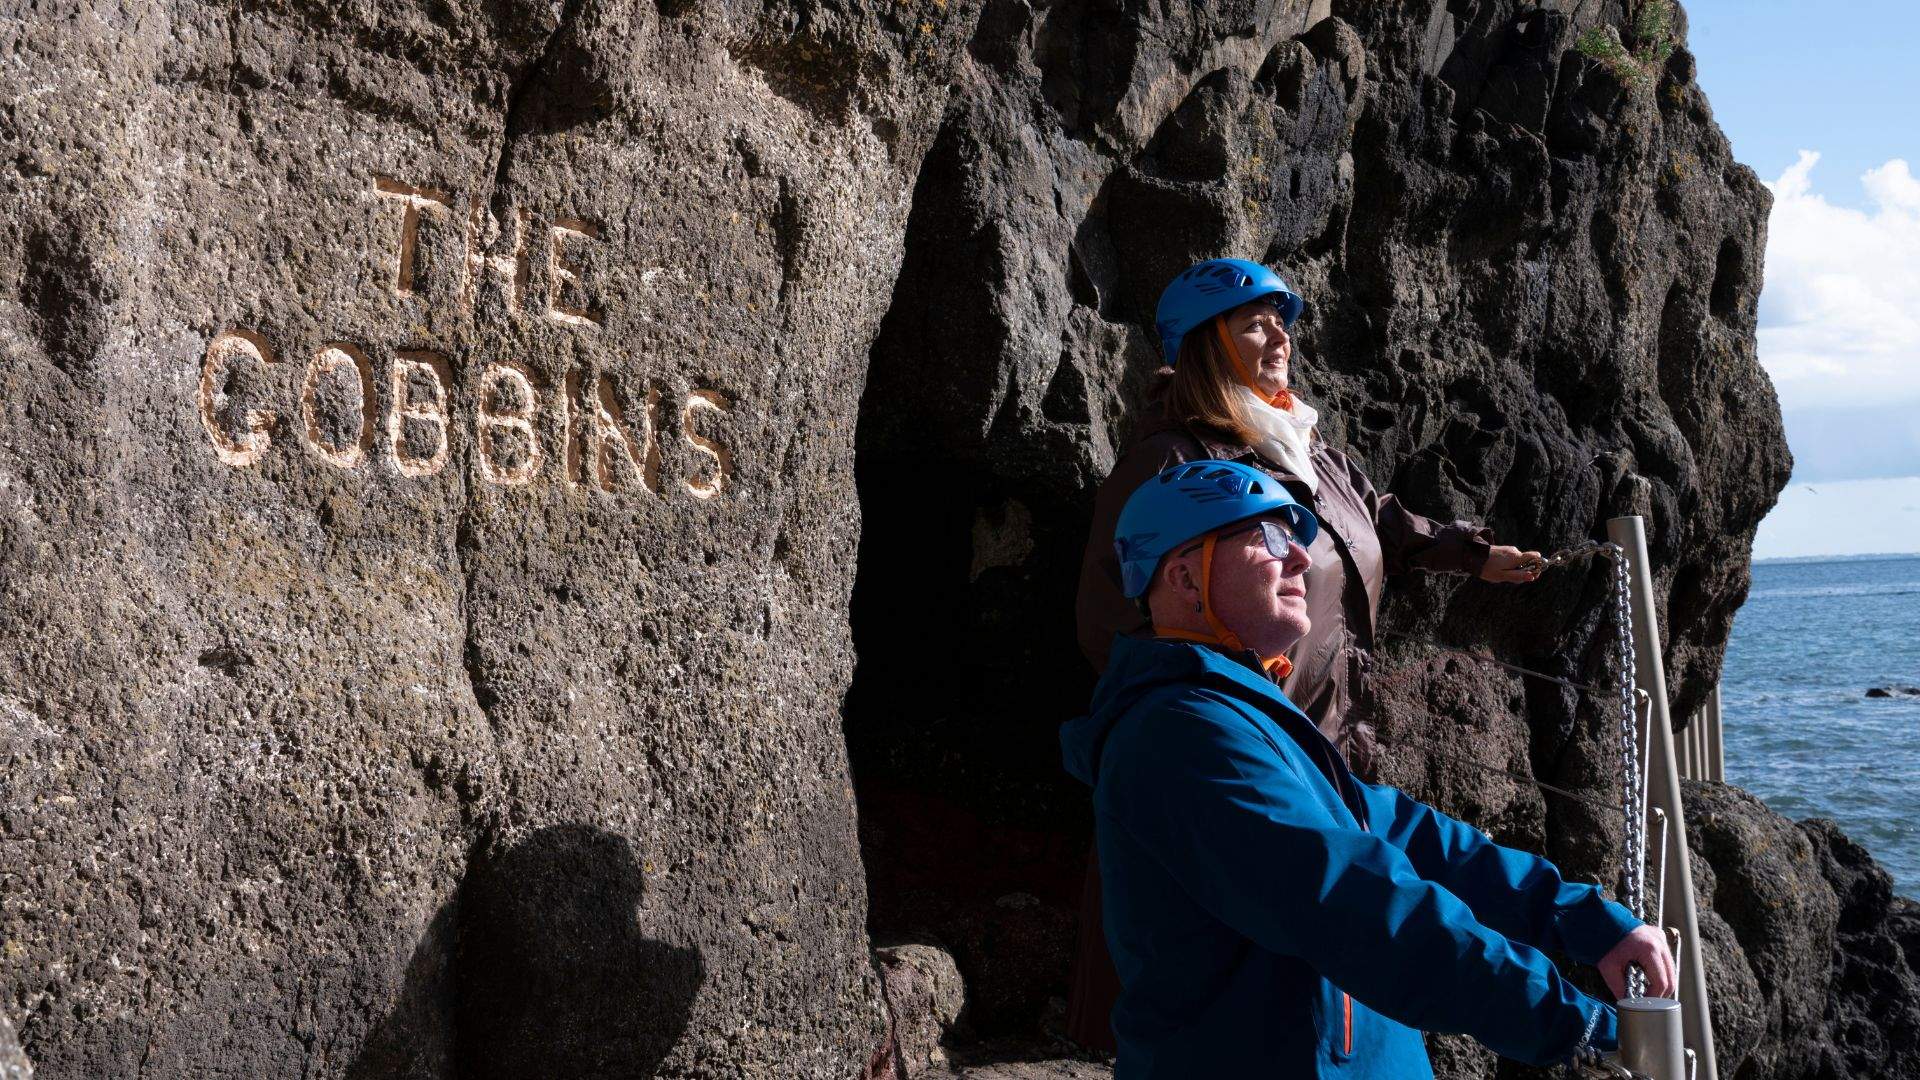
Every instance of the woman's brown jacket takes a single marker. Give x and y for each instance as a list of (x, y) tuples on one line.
[(1364, 536)]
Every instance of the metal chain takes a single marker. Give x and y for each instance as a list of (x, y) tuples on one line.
[(1633, 794), (1578, 551)]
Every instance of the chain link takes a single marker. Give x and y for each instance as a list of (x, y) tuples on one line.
[(1566, 555)]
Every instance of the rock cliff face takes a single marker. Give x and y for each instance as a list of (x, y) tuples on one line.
[(1814, 964), (427, 522), (428, 508)]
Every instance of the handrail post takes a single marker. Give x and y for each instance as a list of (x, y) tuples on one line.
[(1663, 791), (1650, 1038), (1716, 739)]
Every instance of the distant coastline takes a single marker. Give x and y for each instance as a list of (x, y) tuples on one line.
[(1878, 556), (1835, 518)]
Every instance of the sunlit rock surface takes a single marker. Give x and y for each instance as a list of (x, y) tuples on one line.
[(427, 522)]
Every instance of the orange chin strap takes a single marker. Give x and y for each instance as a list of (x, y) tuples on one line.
[(1278, 667), (1281, 400)]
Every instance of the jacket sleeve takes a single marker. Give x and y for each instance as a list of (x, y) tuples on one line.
[(1409, 541), (1512, 892), (1102, 610), (1202, 791)]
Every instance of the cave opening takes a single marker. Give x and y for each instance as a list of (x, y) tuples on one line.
[(974, 838)]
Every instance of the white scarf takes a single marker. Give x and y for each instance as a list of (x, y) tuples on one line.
[(1283, 435)]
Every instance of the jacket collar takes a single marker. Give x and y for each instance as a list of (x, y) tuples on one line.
[(1243, 669), (1140, 667)]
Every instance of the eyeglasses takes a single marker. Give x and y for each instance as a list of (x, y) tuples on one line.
[(1275, 534)]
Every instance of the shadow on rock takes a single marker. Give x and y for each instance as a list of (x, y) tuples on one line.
[(537, 967)]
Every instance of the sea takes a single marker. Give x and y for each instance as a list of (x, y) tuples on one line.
[(1800, 731)]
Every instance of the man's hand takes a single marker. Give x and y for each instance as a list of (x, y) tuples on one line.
[(1648, 948), (1506, 563)]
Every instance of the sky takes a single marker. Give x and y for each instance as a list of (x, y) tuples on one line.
[(1820, 100)]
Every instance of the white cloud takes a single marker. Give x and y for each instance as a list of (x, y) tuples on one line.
[(1840, 314)]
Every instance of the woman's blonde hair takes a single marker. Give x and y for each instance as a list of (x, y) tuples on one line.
[(1199, 390)]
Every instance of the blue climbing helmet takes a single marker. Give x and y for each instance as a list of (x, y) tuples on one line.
[(1207, 289), (1192, 500)]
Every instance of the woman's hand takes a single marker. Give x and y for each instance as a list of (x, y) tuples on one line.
[(1646, 947), (1509, 564)]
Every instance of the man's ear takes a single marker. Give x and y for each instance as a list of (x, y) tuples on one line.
[(1181, 580)]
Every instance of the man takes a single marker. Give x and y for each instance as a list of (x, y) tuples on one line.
[(1252, 883)]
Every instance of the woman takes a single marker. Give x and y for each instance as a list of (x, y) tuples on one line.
[(1224, 331)]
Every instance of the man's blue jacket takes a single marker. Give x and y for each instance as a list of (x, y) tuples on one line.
[(1252, 882)]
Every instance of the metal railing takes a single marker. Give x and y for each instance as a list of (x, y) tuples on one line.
[(1660, 1039), (1703, 753)]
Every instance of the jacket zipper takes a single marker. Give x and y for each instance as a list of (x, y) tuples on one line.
[(1347, 999)]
